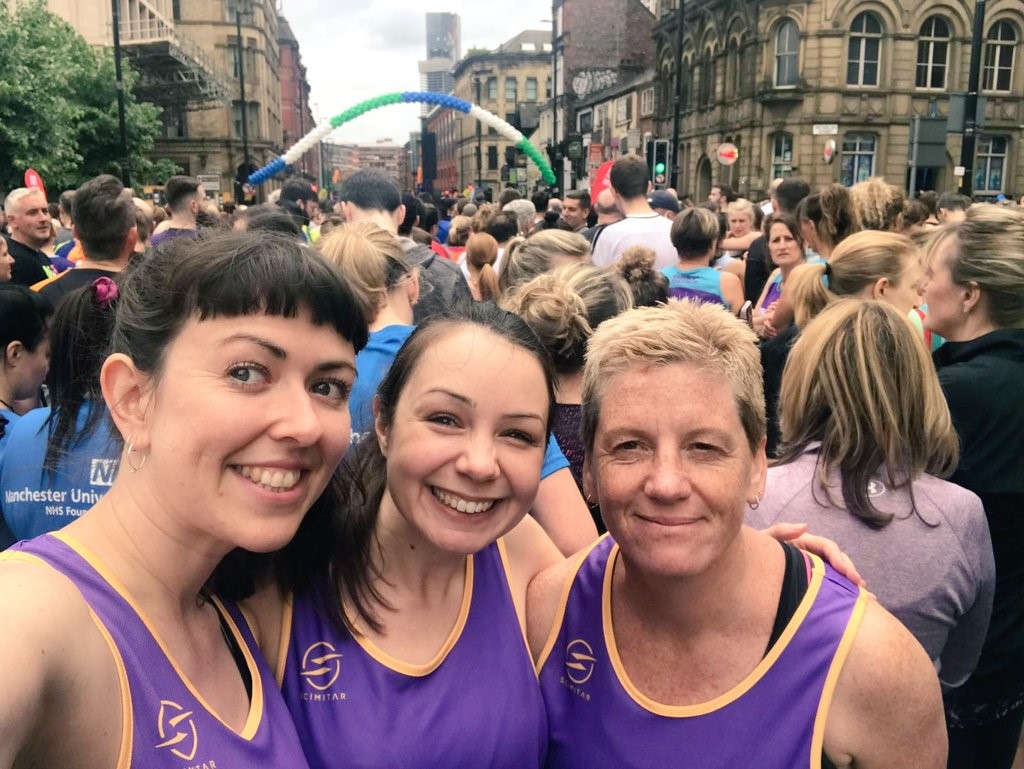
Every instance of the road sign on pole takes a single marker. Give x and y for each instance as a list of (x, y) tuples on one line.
[(728, 153)]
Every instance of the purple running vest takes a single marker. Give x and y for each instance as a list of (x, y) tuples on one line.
[(477, 706), (171, 728), (595, 722)]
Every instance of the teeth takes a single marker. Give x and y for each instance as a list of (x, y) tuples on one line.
[(462, 505), (273, 479)]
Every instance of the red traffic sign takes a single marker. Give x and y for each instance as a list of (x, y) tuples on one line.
[(599, 179), (728, 153)]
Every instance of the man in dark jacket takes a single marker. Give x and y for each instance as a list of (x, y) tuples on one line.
[(369, 196)]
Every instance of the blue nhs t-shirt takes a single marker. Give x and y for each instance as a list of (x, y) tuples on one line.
[(35, 502)]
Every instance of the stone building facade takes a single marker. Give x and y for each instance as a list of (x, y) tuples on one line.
[(513, 82), (784, 80)]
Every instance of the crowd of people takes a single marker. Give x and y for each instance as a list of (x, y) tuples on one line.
[(396, 481)]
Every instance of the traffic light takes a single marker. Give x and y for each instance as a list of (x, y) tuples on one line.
[(657, 159)]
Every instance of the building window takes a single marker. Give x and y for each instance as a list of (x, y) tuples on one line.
[(933, 53), (511, 91), (248, 59), (989, 164), (997, 67), (865, 50), (531, 89), (585, 122), (173, 123), (647, 102), (706, 93), (547, 87), (253, 124), (782, 156), (492, 88), (492, 157), (787, 54), (624, 109), (858, 158)]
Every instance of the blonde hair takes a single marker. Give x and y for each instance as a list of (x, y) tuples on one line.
[(565, 305), (858, 262), (989, 252), (371, 259), (459, 230), (525, 259), (860, 381), (481, 252), (679, 332), (743, 207), (877, 204)]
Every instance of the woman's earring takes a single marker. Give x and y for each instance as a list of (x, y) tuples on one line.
[(756, 503), (128, 458)]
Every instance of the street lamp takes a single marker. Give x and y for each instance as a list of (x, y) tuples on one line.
[(241, 78), (126, 176)]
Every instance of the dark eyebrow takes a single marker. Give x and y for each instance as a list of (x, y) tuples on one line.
[(279, 352), (469, 402)]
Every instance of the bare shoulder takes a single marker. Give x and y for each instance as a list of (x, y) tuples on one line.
[(544, 600), (51, 653), (887, 707)]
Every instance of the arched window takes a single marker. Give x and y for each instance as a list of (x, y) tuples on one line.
[(865, 50), (933, 53), (997, 67), (707, 79), (787, 53)]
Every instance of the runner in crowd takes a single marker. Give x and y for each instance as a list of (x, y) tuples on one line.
[(563, 308), (696, 233), (424, 609), (649, 286), (673, 640), (378, 271), (481, 254), (544, 250), (867, 265), (232, 362), (863, 452), (60, 460), (974, 290), (25, 345), (786, 248)]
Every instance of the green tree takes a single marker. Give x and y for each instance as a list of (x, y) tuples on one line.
[(58, 105)]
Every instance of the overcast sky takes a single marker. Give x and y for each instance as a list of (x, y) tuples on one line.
[(357, 49)]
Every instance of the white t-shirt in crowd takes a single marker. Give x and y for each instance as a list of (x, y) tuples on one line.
[(644, 230)]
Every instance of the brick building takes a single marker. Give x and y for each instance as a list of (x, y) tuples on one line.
[(784, 80), (296, 114)]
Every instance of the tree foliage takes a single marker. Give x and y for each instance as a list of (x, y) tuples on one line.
[(58, 105)]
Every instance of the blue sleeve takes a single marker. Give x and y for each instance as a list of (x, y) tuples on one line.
[(554, 459)]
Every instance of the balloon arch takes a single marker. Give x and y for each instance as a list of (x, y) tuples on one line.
[(318, 134)]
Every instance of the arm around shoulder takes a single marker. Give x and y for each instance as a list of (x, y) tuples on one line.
[(887, 707), (543, 601), (560, 510)]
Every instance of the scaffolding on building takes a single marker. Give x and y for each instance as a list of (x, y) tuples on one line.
[(172, 69)]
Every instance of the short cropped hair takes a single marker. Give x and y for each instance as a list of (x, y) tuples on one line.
[(630, 177), (371, 191), (178, 191), (104, 214), (679, 332)]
